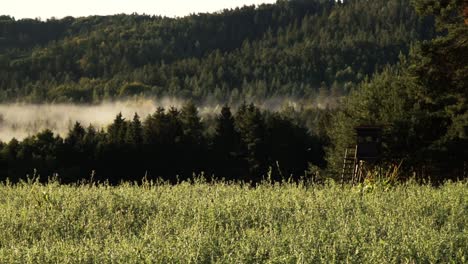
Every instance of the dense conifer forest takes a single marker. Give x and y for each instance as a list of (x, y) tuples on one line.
[(297, 48), (397, 64), (238, 149), (172, 145)]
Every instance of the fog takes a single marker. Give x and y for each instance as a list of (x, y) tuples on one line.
[(20, 120)]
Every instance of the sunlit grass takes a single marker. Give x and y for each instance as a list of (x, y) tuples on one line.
[(202, 222)]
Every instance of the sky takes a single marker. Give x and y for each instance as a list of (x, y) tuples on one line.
[(45, 9)]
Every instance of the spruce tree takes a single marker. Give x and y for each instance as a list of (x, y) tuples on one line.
[(191, 123), (134, 135), (117, 130)]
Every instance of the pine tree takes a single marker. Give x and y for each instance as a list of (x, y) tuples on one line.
[(191, 123), (75, 135), (226, 138), (250, 124), (117, 130), (134, 135)]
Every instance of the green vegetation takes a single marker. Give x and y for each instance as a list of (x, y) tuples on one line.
[(297, 48), (204, 223), (421, 102), (249, 212), (171, 144), (308, 49)]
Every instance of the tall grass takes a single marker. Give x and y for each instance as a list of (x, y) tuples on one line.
[(204, 223)]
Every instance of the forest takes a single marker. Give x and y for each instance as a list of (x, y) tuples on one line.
[(172, 145), (224, 137), (398, 64), (300, 49)]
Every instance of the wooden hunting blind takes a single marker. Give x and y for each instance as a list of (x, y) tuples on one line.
[(366, 151), (369, 141)]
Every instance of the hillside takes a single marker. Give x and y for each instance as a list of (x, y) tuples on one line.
[(312, 50), (297, 48)]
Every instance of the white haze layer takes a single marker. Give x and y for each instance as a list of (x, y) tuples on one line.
[(20, 120)]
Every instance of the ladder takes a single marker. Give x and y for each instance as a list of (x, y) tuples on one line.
[(350, 164)]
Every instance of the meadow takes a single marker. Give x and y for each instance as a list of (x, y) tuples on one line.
[(202, 222)]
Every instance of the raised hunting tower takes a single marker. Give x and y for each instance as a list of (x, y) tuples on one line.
[(366, 151)]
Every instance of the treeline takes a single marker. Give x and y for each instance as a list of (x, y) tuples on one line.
[(420, 102), (171, 144), (296, 48)]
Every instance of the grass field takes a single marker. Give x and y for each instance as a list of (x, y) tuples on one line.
[(204, 223)]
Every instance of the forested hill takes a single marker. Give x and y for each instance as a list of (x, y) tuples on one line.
[(296, 48)]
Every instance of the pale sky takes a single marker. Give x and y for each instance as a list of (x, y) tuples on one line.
[(61, 8)]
